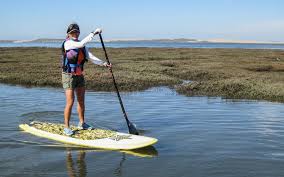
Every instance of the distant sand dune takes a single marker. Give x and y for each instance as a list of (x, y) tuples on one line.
[(158, 40), (243, 41)]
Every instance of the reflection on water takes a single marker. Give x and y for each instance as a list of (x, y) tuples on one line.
[(118, 170), (76, 160), (149, 151), (79, 167), (198, 136)]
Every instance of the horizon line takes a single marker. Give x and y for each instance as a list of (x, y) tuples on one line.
[(213, 40)]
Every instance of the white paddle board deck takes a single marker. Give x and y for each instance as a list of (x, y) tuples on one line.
[(119, 141)]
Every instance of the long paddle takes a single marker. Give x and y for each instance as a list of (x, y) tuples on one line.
[(131, 127)]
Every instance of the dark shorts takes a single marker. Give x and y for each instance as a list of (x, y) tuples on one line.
[(70, 81)]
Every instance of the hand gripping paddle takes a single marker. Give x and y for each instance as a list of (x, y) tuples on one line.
[(131, 127)]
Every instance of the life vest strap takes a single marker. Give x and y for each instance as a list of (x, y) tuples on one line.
[(75, 65)]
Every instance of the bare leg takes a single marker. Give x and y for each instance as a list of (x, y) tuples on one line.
[(80, 93), (68, 107)]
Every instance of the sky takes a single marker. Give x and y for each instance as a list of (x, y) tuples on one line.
[(261, 20)]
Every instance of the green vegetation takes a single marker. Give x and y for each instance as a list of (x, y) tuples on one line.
[(231, 73)]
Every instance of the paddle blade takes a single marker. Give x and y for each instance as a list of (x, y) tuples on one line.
[(132, 129)]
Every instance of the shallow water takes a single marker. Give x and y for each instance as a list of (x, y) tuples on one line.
[(198, 136)]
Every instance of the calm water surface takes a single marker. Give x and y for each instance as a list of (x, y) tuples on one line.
[(198, 136)]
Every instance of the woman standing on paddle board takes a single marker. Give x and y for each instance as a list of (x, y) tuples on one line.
[(74, 55)]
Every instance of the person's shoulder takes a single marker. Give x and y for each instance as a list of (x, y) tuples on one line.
[(68, 41), (66, 44), (71, 40)]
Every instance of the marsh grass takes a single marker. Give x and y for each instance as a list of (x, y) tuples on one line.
[(231, 73)]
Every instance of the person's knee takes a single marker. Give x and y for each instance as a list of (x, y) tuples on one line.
[(81, 103), (69, 103), (81, 100)]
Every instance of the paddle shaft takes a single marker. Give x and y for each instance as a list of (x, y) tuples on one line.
[(115, 85)]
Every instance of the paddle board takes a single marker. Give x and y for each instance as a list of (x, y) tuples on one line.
[(118, 140)]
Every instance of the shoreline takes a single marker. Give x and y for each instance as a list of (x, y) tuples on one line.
[(256, 74), (167, 40), (173, 88)]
